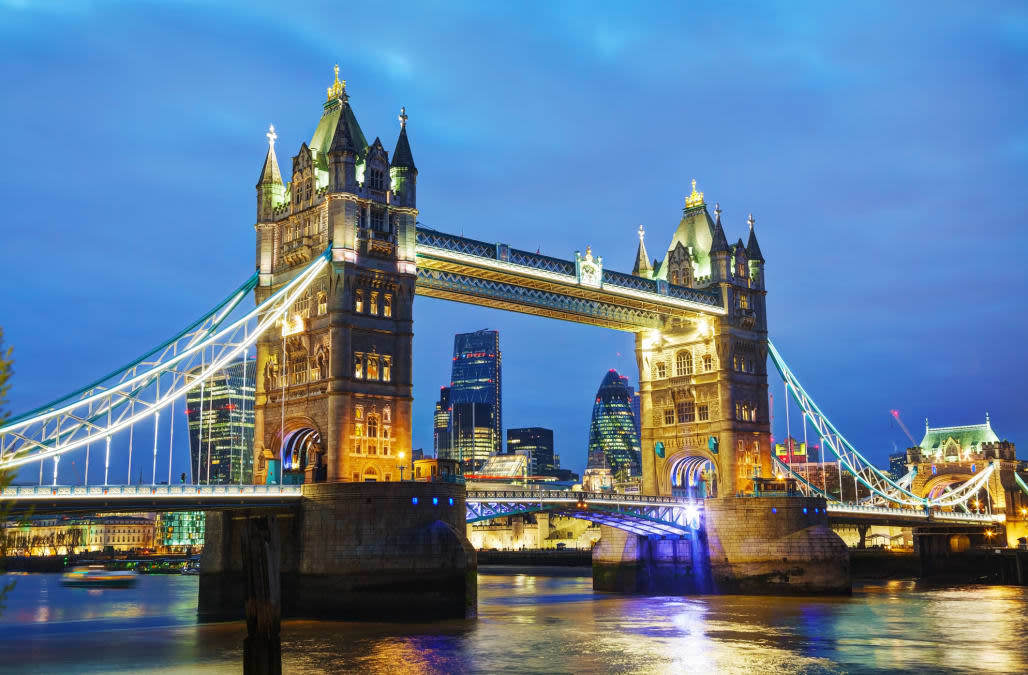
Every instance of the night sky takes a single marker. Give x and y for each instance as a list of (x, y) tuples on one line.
[(883, 151)]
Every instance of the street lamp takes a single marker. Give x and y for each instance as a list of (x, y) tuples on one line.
[(401, 466)]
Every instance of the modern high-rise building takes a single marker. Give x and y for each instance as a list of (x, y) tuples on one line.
[(220, 415), (536, 443), (633, 396), (441, 419), (613, 435), (476, 404)]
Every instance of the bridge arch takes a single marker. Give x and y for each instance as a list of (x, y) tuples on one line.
[(691, 473), (300, 446)]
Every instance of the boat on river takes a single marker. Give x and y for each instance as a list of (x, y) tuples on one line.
[(97, 576)]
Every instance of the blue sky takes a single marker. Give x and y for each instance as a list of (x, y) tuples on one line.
[(883, 150)]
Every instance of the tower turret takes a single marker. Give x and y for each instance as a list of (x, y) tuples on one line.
[(719, 249), (756, 258), (402, 172), (270, 189), (642, 267)]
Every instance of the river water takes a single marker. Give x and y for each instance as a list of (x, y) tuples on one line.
[(539, 621)]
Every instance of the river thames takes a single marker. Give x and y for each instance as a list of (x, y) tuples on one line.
[(538, 621)]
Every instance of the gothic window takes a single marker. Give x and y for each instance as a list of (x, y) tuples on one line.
[(708, 363), (387, 305), (375, 176), (322, 303), (372, 366), (387, 414), (378, 221), (373, 305), (686, 412), (358, 412), (683, 364), (358, 300), (358, 365), (669, 416), (372, 426), (661, 371), (703, 412), (744, 301), (386, 368)]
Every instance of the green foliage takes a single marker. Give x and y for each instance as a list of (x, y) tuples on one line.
[(6, 476)]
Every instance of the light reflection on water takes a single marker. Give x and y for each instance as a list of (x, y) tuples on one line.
[(535, 622)]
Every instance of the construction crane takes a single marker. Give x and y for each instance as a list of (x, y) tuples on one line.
[(896, 416)]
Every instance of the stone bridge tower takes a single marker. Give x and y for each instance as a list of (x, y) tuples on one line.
[(703, 379), (334, 384)]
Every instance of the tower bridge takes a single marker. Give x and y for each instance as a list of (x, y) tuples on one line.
[(340, 258)]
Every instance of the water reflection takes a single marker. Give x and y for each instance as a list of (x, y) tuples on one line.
[(537, 622)]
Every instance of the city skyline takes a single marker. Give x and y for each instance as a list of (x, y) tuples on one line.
[(845, 209)]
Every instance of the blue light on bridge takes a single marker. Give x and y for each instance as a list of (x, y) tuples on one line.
[(774, 509), (805, 509), (414, 501), (435, 501)]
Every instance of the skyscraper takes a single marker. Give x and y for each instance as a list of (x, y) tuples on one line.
[(441, 435), (535, 443), (613, 437), (476, 407), (220, 415)]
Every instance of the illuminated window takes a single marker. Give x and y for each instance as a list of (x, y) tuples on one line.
[(372, 426), (708, 363), (356, 477), (669, 416), (703, 412), (661, 371), (386, 368), (683, 364), (744, 301), (387, 414), (686, 412), (322, 303), (358, 300), (387, 305), (372, 366), (358, 365), (358, 412), (373, 307)]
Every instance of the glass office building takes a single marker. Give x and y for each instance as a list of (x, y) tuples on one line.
[(441, 425), (476, 404), (536, 443), (220, 414), (613, 435)]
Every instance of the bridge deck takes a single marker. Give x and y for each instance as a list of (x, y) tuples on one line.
[(45, 500)]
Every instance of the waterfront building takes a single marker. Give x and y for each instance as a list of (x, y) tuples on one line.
[(613, 435), (476, 402), (220, 414), (437, 470), (441, 424), (64, 535), (536, 443), (801, 453), (534, 531), (180, 531)]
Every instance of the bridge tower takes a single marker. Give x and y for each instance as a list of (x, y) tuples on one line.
[(334, 385), (703, 377)]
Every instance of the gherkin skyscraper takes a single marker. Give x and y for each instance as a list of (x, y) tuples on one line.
[(613, 434)]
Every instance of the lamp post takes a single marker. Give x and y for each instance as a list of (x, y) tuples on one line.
[(401, 465)]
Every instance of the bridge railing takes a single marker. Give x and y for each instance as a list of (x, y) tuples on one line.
[(148, 491), (837, 507), (576, 496)]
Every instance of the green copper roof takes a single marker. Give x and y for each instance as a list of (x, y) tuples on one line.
[(968, 436), (322, 139), (696, 229)]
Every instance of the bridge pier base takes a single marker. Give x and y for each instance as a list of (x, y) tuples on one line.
[(353, 551), (261, 553), (768, 545)]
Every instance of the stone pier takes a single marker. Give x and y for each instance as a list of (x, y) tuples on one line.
[(768, 545), (354, 551)]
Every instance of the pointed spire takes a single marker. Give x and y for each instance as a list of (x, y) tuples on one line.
[(642, 259), (720, 242), (342, 137), (270, 174), (402, 157), (752, 248)]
